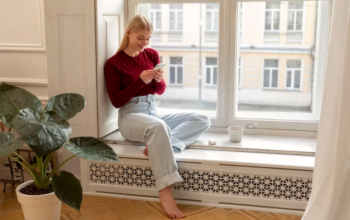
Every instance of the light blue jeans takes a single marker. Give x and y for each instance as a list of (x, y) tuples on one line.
[(164, 134)]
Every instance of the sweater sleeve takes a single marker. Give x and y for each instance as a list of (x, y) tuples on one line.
[(159, 87), (117, 95)]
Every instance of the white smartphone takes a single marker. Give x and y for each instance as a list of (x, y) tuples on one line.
[(159, 66)]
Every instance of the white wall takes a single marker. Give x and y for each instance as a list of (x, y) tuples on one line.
[(22, 45), (23, 59)]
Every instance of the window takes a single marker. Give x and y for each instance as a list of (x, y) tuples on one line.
[(212, 17), (257, 82), (293, 74), (156, 16), (175, 17), (211, 70), (186, 61), (295, 16), (270, 73), (272, 16), (176, 70)]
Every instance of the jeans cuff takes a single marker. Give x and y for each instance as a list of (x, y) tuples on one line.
[(168, 180)]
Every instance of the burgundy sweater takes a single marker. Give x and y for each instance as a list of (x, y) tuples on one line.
[(122, 74)]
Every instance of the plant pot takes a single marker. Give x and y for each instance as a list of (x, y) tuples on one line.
[(39, 207)]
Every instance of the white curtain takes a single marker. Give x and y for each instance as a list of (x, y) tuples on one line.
[(330, 196)]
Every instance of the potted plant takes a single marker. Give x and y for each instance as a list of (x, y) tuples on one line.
[(45, 131)]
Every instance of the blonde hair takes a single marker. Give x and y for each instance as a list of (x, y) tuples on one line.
[(137, 23)]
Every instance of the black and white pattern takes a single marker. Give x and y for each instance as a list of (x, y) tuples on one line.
[(273, 187)]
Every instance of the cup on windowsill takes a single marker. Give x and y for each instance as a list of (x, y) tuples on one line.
[(235, 133)]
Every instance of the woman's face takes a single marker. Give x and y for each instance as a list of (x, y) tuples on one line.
[(139, 40)]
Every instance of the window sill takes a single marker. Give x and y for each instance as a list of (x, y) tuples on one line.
[(251, 143)]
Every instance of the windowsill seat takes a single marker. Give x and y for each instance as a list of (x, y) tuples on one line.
[(255, 150)]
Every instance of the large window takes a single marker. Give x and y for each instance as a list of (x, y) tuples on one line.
[(176, 71), (211, 69), (293, 74), (274, 79), (270, 74)]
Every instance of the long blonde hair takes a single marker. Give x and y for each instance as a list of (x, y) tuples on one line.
[(137, 23)]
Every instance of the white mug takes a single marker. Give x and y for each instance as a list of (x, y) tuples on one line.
[(235, 133)]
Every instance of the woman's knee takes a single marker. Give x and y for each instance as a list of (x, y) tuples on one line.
[(205, 119)]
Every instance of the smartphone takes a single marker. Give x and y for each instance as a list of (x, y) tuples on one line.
[(159, 66)]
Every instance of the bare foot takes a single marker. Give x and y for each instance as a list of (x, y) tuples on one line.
[(169, 205), (145, 151)]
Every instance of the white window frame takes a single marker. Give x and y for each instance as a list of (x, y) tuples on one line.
[(211, 67), (176, 73), (295, 19), (272, 19), (270, 72), (176, 18), (292, 77), (227, 114), (154, 21), (212, 11)]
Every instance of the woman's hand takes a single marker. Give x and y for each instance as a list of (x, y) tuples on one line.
[(147, 75), (158, 76)]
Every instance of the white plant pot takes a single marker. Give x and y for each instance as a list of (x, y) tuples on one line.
[(39, 207)]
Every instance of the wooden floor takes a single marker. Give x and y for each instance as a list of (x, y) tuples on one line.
[(104, 208)]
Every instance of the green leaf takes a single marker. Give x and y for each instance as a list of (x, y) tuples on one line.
[(91, 148), (44, 132), (8, 143), (68, 189), (13, 99), (66, 105)]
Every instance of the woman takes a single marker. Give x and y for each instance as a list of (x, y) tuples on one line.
[(131, 86)]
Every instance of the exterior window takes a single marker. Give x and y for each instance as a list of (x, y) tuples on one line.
[(293, 74), (211, 69), (176, 71), (295, 16), (272, 16), (270, 73)]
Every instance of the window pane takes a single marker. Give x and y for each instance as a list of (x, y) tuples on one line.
[(159, 20), (266, 78), (179, 20), (291, 20), (293, 63), (295, 5), (215, 76), (289, 79), (268, 18), (179, 75), (212, 6), (276, 20), (278, 59), (172, 74), (208, 76), (271, 63), (216, 20), (172, 20), (175, 60), (274, 78), (155, 6), (211, 60), (297, 75), (273, 5), (299, 22), (208, 20), (185, 56), (175, 6)]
